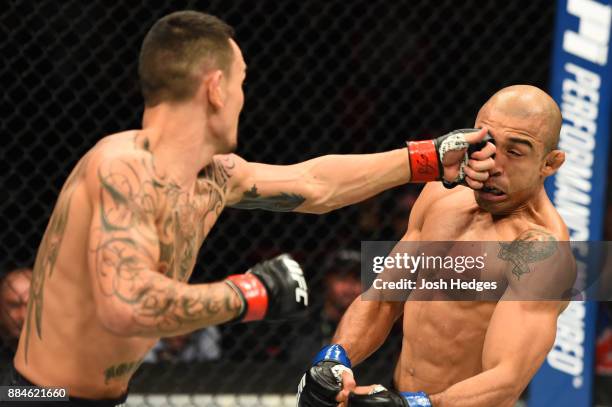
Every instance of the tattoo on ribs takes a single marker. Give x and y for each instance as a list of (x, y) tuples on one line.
[(531, 247), (283, 202), (47, 254), (121, 370), (129, 203)]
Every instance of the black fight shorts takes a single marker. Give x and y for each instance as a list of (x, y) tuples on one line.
[(16, 379)]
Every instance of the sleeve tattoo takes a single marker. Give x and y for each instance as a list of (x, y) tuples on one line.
[(127, 253), (283, 202)]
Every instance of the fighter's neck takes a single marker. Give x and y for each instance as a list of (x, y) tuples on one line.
[(176, 136)]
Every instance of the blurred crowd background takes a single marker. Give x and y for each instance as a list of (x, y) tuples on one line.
[(325, 77)]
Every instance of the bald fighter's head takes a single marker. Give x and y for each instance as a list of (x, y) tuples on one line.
[(525, 123), (528, 105)]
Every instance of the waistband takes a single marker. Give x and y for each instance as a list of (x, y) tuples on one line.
[(17, 379)]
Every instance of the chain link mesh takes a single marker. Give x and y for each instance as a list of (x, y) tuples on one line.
[(330, 76)]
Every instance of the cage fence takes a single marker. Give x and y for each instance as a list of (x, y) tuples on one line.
[(324, 77)]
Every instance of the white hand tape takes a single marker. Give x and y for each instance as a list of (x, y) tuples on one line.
[(454, 143)]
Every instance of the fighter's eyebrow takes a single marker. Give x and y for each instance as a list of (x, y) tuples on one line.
[(519, 140)]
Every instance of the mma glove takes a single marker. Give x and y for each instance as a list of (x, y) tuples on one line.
[(274, 289), (426, 156), (388, 398), (323, 381)]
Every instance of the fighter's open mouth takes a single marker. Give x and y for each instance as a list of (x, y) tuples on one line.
[(492, 190)]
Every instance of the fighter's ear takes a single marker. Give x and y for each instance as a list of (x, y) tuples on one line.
[(215, 92), (553, 161)]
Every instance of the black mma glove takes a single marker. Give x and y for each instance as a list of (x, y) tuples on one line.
[(426, 156), (388, 398), (323, 381), (273, 289)]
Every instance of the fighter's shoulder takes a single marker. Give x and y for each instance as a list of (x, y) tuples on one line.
[(542, 254), (231, 168), (435, 191), (539, 240), (551, 228), (118, 147), (117, 162), (432, 195), (548, 221), (232, 163), (535, 233), (122, 140)]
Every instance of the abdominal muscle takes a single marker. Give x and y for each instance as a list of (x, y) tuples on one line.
[(442, 345)]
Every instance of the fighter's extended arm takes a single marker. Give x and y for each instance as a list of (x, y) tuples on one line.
[(333, 181), (521, 332), (366, 324), (362, 330)]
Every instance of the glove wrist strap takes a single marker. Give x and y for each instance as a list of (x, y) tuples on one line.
[(419, 399), (424, 162), (255, 296), (333, 353)]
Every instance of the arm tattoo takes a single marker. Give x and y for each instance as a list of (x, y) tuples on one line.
[(283, 202), (530, 247), (125, 254), (213, 182), (48, 252)]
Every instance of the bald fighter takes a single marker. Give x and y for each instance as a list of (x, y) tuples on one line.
[(470, 353), (111, 272)]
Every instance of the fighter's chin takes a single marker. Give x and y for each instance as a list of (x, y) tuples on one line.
[(495, 204)]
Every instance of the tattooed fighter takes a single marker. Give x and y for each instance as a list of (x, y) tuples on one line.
[(111, 271), (470, 353)]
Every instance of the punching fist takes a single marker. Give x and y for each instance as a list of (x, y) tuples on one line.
[(460, 157), (321, 384), (271, 290)]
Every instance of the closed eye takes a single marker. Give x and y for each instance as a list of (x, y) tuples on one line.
[(515, 153)]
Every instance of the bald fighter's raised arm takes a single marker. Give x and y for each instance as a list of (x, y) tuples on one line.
[(362, 330), (333, 181), (132, 296), (521, 331)]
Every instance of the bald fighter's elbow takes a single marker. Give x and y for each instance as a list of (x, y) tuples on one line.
[(512, 389)]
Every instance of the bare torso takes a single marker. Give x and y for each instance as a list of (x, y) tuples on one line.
[(63, 343), (443, 340)]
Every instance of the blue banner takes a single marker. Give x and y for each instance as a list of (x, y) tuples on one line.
[(581, 85)]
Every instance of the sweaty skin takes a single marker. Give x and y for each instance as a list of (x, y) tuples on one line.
[(110, 274), (474, 353)]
